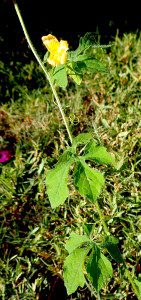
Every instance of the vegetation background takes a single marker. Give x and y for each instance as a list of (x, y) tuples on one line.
[(33, 235), (67, 20)]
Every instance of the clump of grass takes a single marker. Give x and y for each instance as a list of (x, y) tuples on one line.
[(32, 234)]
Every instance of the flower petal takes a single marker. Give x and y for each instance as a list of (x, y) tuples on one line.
[(63, 58), (50, 42), (5, 155), (58, 50), (64, 45), (53, 60)]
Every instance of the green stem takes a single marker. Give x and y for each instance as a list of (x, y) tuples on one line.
[(43, 68), (133, 284), (98, 297), (90, 287), (102, 218)]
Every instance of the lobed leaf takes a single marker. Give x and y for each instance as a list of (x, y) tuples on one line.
[(88, 181), (76, 240), (99, 154), (74, 269), (82, 139), (59, 76), (85, 43), (99, 269), (111, 244), (84, 62), (56, 181), (95, 64)]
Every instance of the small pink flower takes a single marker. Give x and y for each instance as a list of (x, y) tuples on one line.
[(5, 155)]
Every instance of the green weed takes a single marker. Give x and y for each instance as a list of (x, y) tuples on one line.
[(33, 235)]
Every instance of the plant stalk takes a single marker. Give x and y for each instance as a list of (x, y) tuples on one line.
[(133, 284), (106, 230), (43, 68), (98, 297)]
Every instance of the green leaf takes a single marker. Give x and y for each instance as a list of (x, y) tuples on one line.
[(80, 58), (99, 269), (74, 269), (99, 154), (88, 227), (75, 241), (87, 40), (86, 43), (79, 67), (111, 244), (82, 139), (46, 57), (138, 284), (83, 62), (59, 76), (88, 181), (95, 64), (56, 181), (73, 74), (67, 155)]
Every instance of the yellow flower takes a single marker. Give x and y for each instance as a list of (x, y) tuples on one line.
[(58, 50)]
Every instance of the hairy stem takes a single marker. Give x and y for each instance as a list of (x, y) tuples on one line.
[(43, 68)]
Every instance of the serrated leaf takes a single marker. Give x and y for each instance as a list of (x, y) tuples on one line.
[(99, 154), (56, 182), (75, 241), (99, 269), (111, 244), (88, 181), (95, 64), (83, 62), (67, 155), (86, 43), (74, 269), (82, 139), (88, 39), (59, 76)]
